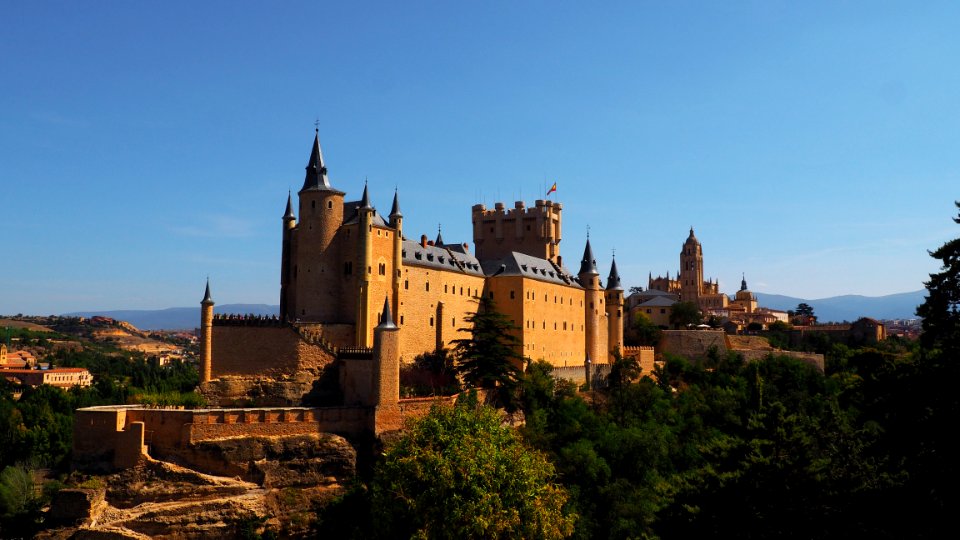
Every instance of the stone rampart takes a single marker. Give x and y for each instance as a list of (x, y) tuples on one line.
[(692, 344), (113, 437), (814, 359)]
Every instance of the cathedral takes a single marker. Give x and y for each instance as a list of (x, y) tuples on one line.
[(345, 265)]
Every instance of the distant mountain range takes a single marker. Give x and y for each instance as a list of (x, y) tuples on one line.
[(848, 307), (851, 307), (178, 318)]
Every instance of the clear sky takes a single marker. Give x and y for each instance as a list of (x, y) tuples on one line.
[(147, 145)]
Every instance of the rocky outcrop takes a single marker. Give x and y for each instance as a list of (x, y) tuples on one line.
[(258, 391), (319, 459), (166, 501)]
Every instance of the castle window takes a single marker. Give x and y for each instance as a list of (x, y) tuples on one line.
[(649, 310), (401, 319), (663, 311), (313, 205), (431, 321), (406, 284), (444, 288), (329, 205), (554, 325), (544, 325), (491, 294), (564, 325), (428, 286), (453, 322), (461, 291), (511, 295), (382, 269), (348, 268)]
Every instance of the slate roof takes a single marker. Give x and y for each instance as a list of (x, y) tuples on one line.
[(352, 209), (449, 259), (521, 264)]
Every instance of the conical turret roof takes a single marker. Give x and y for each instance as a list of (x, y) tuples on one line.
[(395, 210), (207, 299), (288, 215), (365, 200), (316, 177), (387, 320), (613, 280), (588, 265)]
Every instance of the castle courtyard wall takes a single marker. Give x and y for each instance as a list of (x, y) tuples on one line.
[(430, 316)]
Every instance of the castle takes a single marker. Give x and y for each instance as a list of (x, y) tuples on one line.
[(341, 259)]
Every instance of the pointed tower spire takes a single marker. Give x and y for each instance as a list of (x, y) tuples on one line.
[(288, 215), (588, 265), (439, 240), (365, 200), (207, 299), (395, 210), (386, 321), (743, 283), (316, 177), (613, 280)]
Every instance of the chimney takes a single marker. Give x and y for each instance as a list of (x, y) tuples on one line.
[(466, 247), (423, 240)]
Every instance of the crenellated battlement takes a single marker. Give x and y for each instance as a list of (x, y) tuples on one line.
[(534, 231)]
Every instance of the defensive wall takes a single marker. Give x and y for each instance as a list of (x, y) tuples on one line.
[(118, 436), (696, 344)]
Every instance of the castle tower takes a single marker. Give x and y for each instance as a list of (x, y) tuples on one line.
[(533, 231), (318, 289), (286, 291), (691, 270), (592, 305), (206, 336), (386, 372), (364, 269), (396, 221), (614, 298)]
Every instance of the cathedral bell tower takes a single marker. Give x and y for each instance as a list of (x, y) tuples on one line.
[(691, 270)]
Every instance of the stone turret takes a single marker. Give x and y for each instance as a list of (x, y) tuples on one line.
[(321, 215), (592, 305), (286, 292), (206, 335), (386, 373), (396, 221), (364, 268), (614, 303)]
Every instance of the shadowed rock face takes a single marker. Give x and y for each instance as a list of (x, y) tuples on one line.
[(299, 460), (263, 481)]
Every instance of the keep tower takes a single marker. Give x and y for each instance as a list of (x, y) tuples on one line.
[(317, 290)]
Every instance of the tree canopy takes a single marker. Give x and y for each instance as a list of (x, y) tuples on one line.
[(684, 314), (460, 473)]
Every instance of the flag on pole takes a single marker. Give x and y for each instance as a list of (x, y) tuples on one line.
[(552, 189)]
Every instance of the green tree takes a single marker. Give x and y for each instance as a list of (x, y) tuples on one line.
[(644, 331), (460, 473), (804, 310), (488, 358), (941, 308), (684, 314)]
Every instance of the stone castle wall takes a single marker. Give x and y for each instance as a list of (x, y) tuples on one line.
[(434, 305), (264, 351)]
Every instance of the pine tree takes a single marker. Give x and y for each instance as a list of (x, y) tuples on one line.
[(488, 358), (941, 308)]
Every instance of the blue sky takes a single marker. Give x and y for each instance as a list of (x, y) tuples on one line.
[(146, 145)]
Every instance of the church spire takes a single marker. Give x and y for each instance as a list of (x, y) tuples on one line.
[(439, 240), (613, 280), (588, 265), (316, 177), (743, 283)]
